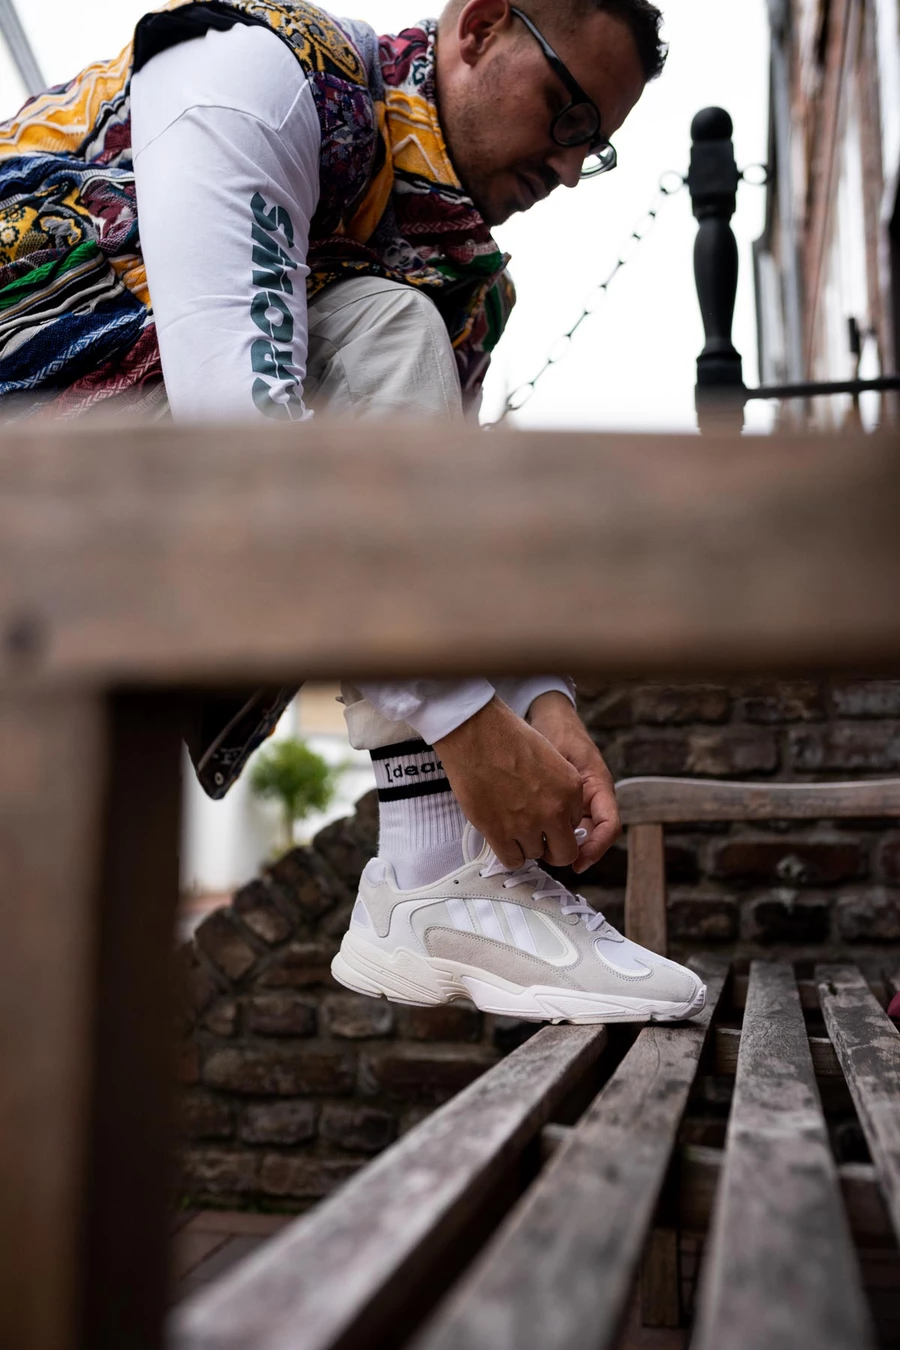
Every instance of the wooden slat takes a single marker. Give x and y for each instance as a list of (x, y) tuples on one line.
[(867, 1045), (645, 890), (560, 1270), (51, 797), (167, 553), (347, 1273), (680, 800), (699, 1170), (779, 1268), (809, 993), (727, 1043)]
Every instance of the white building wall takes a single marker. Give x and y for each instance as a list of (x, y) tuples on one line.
[(225, 843)]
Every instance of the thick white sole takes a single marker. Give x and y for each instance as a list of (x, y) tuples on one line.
[(405, 976)]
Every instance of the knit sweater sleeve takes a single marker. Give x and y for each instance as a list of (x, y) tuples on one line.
[(226, 144)]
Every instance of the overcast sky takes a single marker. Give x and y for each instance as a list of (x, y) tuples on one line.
[(632, 363)]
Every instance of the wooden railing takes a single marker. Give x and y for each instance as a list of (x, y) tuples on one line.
[(137, 563)]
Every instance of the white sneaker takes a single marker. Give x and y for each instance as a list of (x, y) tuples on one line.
[(514, 941)]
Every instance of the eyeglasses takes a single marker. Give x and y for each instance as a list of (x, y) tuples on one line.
[(578, 123)]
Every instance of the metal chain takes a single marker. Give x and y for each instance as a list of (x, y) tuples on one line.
[(560, 349)]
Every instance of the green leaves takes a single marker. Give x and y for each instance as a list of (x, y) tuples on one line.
[(296, 777)]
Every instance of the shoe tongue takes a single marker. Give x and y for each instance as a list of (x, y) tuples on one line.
[(474, 844)]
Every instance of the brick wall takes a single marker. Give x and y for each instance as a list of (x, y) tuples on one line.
[(793, 890), (291, 1084)]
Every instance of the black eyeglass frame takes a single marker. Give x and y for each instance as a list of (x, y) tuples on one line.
[(600, 147)]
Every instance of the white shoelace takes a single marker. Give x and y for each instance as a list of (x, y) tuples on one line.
[(545, 888)]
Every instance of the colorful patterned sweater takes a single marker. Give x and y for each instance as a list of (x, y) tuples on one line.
[(76, 316)]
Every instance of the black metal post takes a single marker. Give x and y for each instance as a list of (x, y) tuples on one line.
[(713, 182)]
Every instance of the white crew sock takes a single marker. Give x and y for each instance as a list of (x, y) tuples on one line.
[(420, 821)]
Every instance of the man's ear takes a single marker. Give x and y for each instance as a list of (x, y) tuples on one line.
[(479, 25)]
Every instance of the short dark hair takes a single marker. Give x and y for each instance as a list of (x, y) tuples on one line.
[(642, 18)]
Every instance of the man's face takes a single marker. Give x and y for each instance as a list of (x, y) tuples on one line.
[(499, 95)]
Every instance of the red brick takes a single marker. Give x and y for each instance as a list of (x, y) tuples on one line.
[(292, 1122), (789, 862), (845, 747), (281, 1015), (299, 964), (869, 916), (411, 1070), (358, 1129), (607, 709), (257, 911), (200, 989), (304, 883), (355, 1017), (702, 919), (866, 698), (726, 752), (222, 1018), (212, 1171), (889, 858), (776, 918), (680, 704), (280, 1070), (221, 942), (303, 1178), (342, 846), (201, 1116), (449, 1022), (776, 701)]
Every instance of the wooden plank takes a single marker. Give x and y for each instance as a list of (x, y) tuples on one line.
[(678, 800), (809, 993), (420, 554), (698, 1171), (347, 1273), (779, 1269), (560, 1270), (126, 1230), (867, 1045), (727, 1043), (51, 797), (645, 889)]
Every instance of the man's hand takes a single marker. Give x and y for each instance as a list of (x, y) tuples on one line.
[(554, 717), (521, 793)]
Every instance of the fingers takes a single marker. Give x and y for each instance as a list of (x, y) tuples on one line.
[(561, 847), (601, 838)]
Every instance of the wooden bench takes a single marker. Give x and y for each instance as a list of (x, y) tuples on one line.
[(519, 1215), (136, 563)]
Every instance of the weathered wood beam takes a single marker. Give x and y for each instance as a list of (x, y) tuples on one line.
[(668, 801), (560, 1269), (867, 1045), (727, 1043), (779, 1268), (353, 1272), (51, 800), (169, 553)]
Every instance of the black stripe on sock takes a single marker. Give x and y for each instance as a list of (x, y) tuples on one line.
[(401, 748), (399, 794)]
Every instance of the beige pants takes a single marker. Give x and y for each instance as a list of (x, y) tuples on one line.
[(379, 350)]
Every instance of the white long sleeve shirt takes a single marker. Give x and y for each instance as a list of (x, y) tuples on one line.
[(226, 139)]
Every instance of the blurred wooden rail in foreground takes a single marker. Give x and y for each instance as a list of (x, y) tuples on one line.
[(161, 555), (135, 563)]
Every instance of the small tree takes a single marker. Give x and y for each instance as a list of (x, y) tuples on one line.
[(297, 778)]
